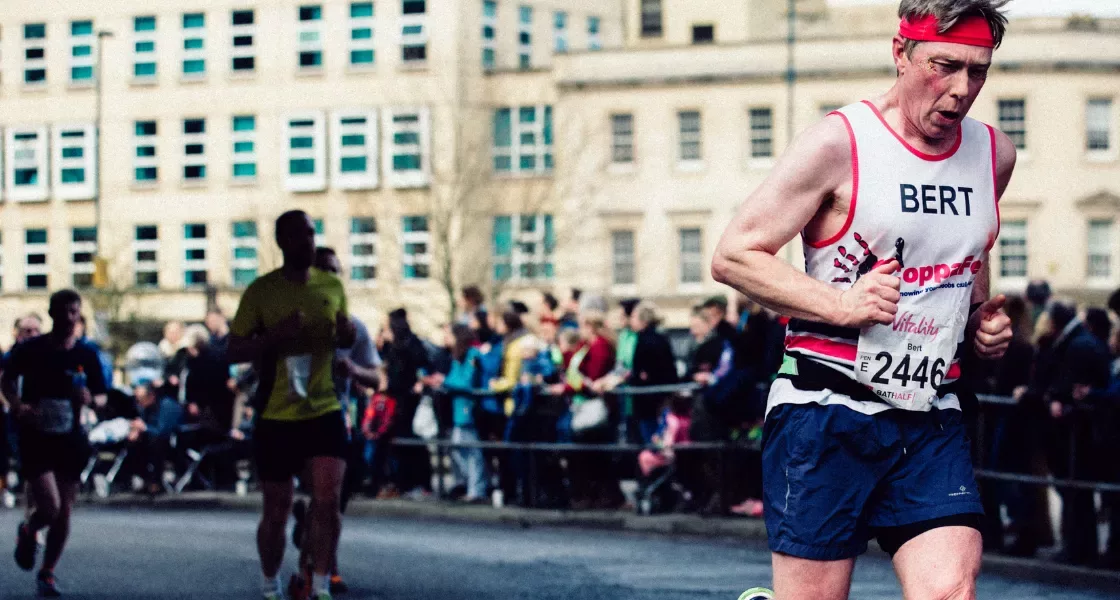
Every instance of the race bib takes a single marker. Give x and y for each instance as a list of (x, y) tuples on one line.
[(56, 415), (905, 362), (299, 374)]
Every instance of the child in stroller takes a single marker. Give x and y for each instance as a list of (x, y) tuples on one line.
[(659, 491)]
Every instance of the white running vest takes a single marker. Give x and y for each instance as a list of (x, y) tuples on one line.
[(938, 216)]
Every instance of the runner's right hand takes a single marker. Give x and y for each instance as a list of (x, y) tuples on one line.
[(873, 299)]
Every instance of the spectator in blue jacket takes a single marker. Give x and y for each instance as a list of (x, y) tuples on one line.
[(150, 434), (469, 465)]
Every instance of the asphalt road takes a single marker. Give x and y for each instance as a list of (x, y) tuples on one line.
[(145, 554)]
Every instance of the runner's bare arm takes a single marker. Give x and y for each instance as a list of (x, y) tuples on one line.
[(989, 326), (812, 169)]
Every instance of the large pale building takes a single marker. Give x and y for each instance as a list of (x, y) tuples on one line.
[(521, 145)]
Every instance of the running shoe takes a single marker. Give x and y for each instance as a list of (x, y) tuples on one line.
[(338, 586), (757, 594), (47, 585), (299, 588), (26, 547), (299, 512)]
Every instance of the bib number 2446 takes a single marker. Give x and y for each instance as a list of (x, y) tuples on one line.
[(908, 369)]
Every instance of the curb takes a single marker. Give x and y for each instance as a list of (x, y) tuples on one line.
[(1021, 569)]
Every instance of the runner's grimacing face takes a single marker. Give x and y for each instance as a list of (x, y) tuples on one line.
[(939, 83)]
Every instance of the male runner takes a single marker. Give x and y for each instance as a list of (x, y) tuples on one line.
[(863, 436), (26, 327), (60, 376), (289, 323)]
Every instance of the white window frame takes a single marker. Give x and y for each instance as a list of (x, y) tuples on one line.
[(412, 40), (361, 261), (151, 57), (760, 137), (539, 149), (491, 22), (145, 266), (416, 237), (30, 249), (560, 20), (1103, 250), (684, 258), (194, 53), (194, 160), (82, 268), (539, 258), (241, 243), (365, 44), (304, 41), (646, 7), (1015, 280), (27, 154), (34, 63), (410, 178), (63, 136), (243, 158), (524, 37), (77, 62), (618, 259), (1006, 120), (690, 137), (367, 180), (594, 34), (250, 51), (622, 141), (1111, 152), (143, 162), (195, 264), (316, 181)]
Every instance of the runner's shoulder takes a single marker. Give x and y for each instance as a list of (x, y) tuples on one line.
[(326, 279), (824, 147)]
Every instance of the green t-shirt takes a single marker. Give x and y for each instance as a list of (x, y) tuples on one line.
[(627, 344), (302, 387)]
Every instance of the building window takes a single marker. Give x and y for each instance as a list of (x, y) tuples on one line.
[(146, 248), (560, 31), (81, 52), (83, 249), (407, 152), (194, 45), (361, 34), (306, 152), (416, 241), (523, 140), (703, 34), (363, 249), (25, 154), (762, 133), (1100, 249), (144, 48), (36, 268), (594, 42), (310, 37), (244, 147), (523, 247), (692, 256), (414, 31), (651, 18), (689, 123), (489, 33), (320, 232), (354, 150), (622, 139), (244, 31), (144, 163), (622, 257), (1013, 249), (525, 37), (194, 149), (194, 254), (1098, 125), (35, 53), (1013, 121), (73, 162), (245, 260)]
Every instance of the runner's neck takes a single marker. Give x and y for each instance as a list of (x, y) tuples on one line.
[(296, 275), (889, 107), (62, 340)]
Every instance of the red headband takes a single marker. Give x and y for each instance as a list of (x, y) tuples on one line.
[(970, 31)]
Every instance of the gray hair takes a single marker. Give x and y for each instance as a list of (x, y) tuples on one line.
[(648, 313), (948, 12)]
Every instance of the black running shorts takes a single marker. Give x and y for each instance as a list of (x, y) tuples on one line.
[(65, 454), (282, 448)]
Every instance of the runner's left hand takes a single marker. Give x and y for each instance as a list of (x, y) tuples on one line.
[(993, 329)]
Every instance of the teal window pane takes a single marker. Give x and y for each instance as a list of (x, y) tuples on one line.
[(406, 137), (561, 20), (318, 223), (81, 73), (549, 234), (194, 172), (528, 139), (487, 32), (192, 44), (592, 24), (245, 229), (193, 20), (143, 151), (244, 123), (414, 224), (245, 253), (363, 273), (503, 163), (354, 139), (146, 174), (503, 128), (502, 271), (85, 234), (80, 28), (81, 51), (245, 169), (406, 162), (503, 236), (525, 13), (363, 225), (361, 33), (310, 13), (34, 31), (361, 57), (194, 231), (144, 24), (73, 176), (145, 128), (194, 66), (142, 47), (74, 152), (144, 69), (490, 8), (301, 166), (243, 277), (548, 125), (27, 177), (360, 10), (488, 58), (354, 164), (527, 114), (310, 59), (195, 278), (302, 142), (35, 75), (242, 147), (36, 236), (548, 161), (412, 29), (527, 163)]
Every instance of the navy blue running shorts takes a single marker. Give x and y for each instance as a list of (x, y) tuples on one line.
[(833, 478)]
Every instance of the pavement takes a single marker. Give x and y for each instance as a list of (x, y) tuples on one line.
[(132, 551), (725, 530)]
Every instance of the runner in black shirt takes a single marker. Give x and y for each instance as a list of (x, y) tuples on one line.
[(60, 375)]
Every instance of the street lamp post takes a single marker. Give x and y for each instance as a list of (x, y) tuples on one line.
[(100, 267)]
